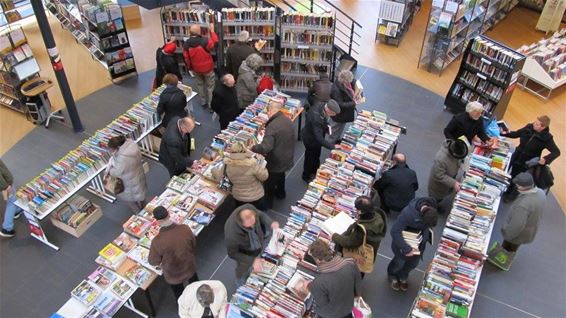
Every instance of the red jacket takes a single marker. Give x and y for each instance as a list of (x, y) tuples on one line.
[(196, 52)]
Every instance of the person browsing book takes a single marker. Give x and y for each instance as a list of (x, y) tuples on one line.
[(172, 101), (126, 163), (12, 211), (316, 127), (174, 148), (248, 79), (278, 148), (468, 124), (204, 299), (343, 92), (416, 221), (337, 285), (246, 233), (321, 88), (246, 173), (166, 62), (397, 186), (374, 223), (173, 249), (225, 100)]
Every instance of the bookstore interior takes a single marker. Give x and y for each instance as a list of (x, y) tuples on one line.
[(416, 65)]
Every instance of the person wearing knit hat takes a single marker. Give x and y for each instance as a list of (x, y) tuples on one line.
[(313, 135), (173, 249), (166, 62), (521, 225)]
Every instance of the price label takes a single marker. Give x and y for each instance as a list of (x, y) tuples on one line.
[(483, 77), (302, 46), (485, 61)]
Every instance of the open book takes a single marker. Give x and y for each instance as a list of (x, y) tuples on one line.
[(337, 224)]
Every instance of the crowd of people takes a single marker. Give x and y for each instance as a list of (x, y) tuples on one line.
[(257, 174)]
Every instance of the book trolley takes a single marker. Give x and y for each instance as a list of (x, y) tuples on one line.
[(83, 165), (488, 73), (453, 276), (191, 199), (348, 173)]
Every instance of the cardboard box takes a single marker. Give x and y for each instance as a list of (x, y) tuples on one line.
[(85, 225)]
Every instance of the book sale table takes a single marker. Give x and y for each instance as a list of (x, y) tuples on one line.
[(83, 165), (191, 199), (453, 276)]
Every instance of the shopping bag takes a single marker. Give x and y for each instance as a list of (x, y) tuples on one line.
[(362, 255), (500, 257), (361, 309)]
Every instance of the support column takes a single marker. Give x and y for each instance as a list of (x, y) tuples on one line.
[(53, 53)]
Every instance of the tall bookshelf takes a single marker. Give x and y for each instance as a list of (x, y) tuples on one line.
[(14, 51), (259, 22), (99, 27), (488, 73), (394, 19), (307, 42), (14, 10), (176, 21)]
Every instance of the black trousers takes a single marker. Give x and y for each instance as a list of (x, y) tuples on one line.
[(179, 288), (274, 187), (312, 161), (259, 204)]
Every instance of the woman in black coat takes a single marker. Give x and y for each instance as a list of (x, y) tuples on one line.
[(166, 62), (225, 100), (343, 92), (172, 101)]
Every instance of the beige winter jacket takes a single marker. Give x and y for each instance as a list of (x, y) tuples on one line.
[(246, 174)]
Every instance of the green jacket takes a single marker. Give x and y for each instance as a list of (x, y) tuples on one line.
[(6, 178), (354, 236)]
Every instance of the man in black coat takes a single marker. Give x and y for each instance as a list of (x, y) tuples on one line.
[(321, 88), (343, 93), (238, 52), (172, 101), (469, 124), (166, 62), (397, 186), (173, 150), (316, 127), (278, 147), (534, 138), (225, 100)]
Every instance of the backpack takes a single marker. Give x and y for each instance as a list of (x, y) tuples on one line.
[(542, 176), (362, 255), (198, 60)]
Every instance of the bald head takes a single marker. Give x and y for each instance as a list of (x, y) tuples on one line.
[(274, 106), (247, 217), (399, 158), (228, 80), (187, 124), (194, 29)]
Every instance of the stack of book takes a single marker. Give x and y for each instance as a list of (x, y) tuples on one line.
[(451, 282), (328, 200), (550, 54), (76, 210)]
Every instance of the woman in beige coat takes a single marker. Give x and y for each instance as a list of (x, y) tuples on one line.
[(246, 173)]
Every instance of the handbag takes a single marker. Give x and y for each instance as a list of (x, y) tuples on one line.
[(362, 255), (361, 309), (113, 185), (225, 183)]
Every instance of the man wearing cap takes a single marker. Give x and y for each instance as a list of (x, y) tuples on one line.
[(522, 220), (238, 52), (166, 62), (316, 127), (174, 250), (442, 182)]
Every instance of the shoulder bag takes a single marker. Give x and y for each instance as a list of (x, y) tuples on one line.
[(362, 255)]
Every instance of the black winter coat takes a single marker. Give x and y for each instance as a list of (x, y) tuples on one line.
[(398, 186), (316, 127), (225, 103), (235, 55), (278, 145), (532, 144), (463, 125), (410, 219), (165, 64), (174, 150), (345, 99), (320, 90), (172, 103)]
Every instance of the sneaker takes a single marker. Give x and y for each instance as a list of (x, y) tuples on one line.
[(404, 285), (6, 233), (395, 285), (17, 216)]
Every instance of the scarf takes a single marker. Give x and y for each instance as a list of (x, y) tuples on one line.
[(335, 264), (255, 243), (350, 89)]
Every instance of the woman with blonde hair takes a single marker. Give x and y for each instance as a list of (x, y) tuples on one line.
[(246, 173)]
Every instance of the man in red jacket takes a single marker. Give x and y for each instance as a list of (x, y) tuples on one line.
[(198, 59)]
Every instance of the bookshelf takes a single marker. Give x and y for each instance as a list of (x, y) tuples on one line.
[(488, 73), (176, 21), (307, 42), (453, 277), (99, 27), (545, 65), (12, 11), (393, 20), (14, 51), (259, 22)]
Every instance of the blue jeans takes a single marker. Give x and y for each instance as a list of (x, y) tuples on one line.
[(400, 266), (10, 212)]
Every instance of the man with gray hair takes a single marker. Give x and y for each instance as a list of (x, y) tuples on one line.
[(238, 52), (278, 147), (175, 145), (198, 59), (206, 298), (397, 186), (522, 221), (469, 124)]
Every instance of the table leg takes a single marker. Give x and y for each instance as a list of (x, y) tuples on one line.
[(36, 231), (130, 305), (96, 187)]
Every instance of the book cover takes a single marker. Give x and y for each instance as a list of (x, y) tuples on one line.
[(102, 277), (111, 253), (121, 288), (86, 292)]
